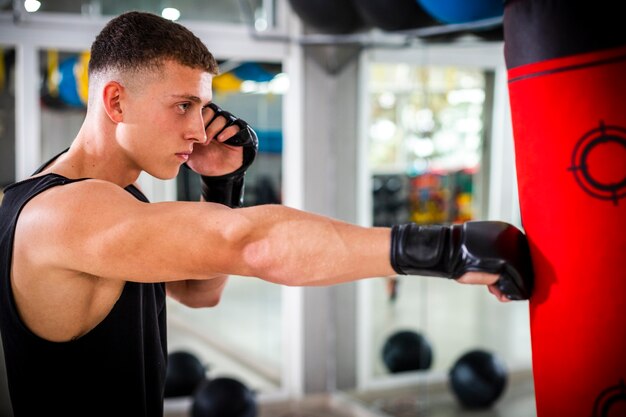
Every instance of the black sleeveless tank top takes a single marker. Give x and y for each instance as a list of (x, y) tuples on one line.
[(117, 369)]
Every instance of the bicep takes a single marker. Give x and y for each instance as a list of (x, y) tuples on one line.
[(101, 230)]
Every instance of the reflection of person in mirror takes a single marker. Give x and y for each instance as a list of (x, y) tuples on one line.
[(392, 284), (86, 262)]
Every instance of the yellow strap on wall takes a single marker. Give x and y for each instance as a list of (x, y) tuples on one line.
[(81, 72), (53, 72)]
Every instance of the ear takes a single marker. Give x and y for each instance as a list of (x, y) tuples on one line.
[(112, 94)]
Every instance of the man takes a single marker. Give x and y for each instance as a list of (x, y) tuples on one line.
[(86, 262)]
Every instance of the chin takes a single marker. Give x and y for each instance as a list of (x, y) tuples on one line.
[(164, 174)]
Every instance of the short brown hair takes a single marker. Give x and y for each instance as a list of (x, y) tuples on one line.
[(138, 40)]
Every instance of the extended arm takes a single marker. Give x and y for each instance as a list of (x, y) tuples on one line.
[(97, 228)]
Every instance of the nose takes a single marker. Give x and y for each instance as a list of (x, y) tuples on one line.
[(196, 131)]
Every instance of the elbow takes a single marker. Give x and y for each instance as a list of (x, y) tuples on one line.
[(265, 262), (277, 265), (266, 255)]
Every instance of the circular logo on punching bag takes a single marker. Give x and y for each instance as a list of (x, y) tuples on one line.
[(610, 400), (594, 162)]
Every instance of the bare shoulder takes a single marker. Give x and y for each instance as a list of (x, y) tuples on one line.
[(61, 214)]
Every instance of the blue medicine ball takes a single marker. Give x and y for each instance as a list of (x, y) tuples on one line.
[(68, 90), (253, 72), (462, 11)]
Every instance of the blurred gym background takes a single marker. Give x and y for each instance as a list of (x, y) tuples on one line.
[(371, 111)]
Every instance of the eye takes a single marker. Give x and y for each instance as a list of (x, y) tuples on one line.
[(183, 107)]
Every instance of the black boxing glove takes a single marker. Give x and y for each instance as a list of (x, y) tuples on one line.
[(475, 246), (228, 189)]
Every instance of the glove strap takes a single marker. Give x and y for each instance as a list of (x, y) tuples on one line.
[(420, 250)]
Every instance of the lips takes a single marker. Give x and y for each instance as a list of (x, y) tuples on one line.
[(183, 155)]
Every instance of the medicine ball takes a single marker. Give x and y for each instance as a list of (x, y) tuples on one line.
[(478, 379), (393, 15), (184, 374), (462, 11), (328, 16), (407, 350), (252, 71), (223, 397), (73, 80)]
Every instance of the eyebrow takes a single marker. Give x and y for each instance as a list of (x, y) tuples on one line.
[(189, 97)]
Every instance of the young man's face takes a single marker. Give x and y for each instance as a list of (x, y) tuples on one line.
[(164, 117)]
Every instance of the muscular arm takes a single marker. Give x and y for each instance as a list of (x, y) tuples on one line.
[(97, 228)]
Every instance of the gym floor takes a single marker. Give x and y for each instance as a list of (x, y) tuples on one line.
[(518, 400), (432, 401)]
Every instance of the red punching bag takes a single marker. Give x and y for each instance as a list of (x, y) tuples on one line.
[(567, 84)]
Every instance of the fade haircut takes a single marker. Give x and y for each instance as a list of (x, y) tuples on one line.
[(136, 41)]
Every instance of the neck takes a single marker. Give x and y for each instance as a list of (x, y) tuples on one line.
[(95, 153)]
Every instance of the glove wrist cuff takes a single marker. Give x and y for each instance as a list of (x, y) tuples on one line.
[(226, 189), (420, 250)]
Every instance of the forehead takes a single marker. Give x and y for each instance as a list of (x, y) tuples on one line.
[(177, 79)]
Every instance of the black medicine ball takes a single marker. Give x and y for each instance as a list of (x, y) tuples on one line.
[(328, 16), (478, 379), (394, 15), (407, 350), (224, 397), (184, 374)]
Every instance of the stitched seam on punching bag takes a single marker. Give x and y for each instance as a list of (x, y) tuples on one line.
[(570, 68)]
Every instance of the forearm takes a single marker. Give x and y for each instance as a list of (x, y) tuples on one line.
[(293, 247)]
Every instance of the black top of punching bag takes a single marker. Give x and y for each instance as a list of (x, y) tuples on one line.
[(537, 30)]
